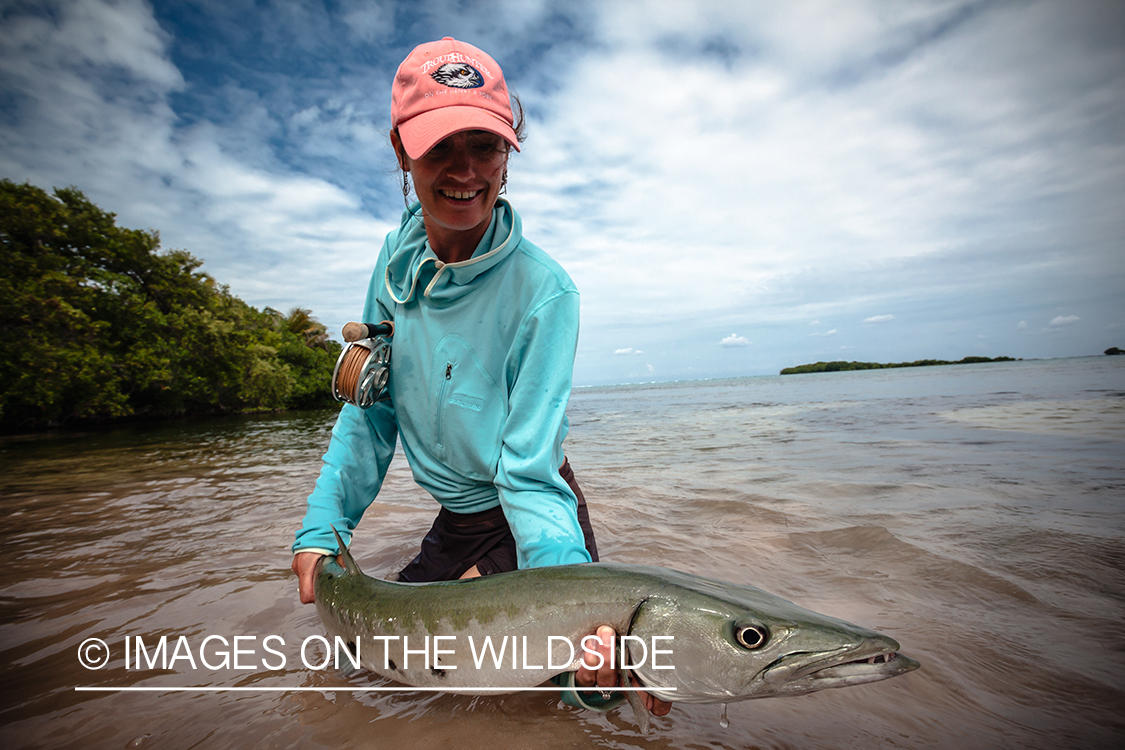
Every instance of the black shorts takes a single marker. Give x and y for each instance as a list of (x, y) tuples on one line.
[(458, 541)]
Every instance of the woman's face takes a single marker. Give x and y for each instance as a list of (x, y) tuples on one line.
[(457, 182)]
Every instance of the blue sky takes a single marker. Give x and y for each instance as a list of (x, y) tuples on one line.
[(734, 187)]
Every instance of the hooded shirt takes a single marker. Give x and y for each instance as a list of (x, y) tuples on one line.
[(481, 366)]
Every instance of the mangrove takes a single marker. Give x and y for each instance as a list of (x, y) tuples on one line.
[(842, 366), (97, 324)]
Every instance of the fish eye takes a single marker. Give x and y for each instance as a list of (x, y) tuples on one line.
[(751, 636)]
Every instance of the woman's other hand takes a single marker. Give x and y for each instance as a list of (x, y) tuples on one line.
[(605, 676)]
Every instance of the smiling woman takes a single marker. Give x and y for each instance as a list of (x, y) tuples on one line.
[(453, 128), (485, 333), (457, 183)]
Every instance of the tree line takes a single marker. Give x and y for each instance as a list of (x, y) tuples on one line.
[(97, 324)]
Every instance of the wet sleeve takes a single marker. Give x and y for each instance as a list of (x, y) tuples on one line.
[(362, 445), (541, 509)]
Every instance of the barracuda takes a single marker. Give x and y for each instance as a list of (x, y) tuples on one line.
[(691, 639)]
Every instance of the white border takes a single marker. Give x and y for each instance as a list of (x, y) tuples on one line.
[(462, 691)]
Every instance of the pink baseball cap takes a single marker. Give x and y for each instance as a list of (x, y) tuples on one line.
[(446, 87)]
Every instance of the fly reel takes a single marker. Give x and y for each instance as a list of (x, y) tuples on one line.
[(364, 367)]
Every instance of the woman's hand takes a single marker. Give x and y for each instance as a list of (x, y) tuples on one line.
[(606, 676), (304, 565)]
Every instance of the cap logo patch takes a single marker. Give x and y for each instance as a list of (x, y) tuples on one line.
[(458, 76)]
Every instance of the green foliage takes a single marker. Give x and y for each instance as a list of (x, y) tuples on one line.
[(96, 324), (842, 366)]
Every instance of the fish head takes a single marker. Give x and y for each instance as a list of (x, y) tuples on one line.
[(730, 643)]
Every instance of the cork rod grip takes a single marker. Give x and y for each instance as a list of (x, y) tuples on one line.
[(358, 331)]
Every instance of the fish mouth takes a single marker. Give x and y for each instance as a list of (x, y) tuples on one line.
[(868, 662), (865, 669)]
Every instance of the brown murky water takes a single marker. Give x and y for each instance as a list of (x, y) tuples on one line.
[(976, 514)]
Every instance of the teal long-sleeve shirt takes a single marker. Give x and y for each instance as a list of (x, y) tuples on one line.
[(481, 367)]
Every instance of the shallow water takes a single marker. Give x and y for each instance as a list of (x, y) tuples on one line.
[(974, 513)]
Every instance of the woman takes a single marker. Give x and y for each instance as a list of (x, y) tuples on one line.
[(486, 326)]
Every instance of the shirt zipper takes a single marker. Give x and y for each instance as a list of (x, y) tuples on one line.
[(441, 405)]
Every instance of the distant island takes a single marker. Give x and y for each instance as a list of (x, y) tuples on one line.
[(1111, 351), (842, 366)]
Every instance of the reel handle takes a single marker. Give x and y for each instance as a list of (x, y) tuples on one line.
[(359, 331)]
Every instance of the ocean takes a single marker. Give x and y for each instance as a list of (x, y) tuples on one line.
[(975, 513)]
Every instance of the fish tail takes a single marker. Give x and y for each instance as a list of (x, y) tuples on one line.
[(349, 562)]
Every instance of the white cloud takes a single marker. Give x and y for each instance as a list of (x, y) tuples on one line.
[(827, 160), (120, 35), (369, 21), (1022, 326), (1063, 321), (734, 340), (276, 237), (705, 168)]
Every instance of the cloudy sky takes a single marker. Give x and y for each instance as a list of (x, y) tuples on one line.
[(735, 187)]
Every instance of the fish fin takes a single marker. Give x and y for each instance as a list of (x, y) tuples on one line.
[(640, 713), (349, 562)]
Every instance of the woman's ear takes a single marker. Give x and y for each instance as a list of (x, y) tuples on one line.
[(400, 152)]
